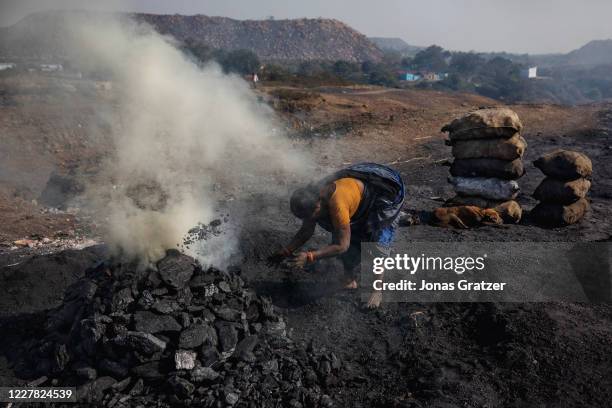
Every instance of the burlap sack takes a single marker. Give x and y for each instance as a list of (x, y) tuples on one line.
[(484, 124), (507, 170), (510, 211), (556, 215), (459, 200), (503, 149), (489, 188), (556, 191), (565, 165)]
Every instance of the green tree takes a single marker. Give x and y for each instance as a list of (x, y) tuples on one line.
[(368, 66), (346, 69), (467, 63), (313, 68), (383, 76), (407, 62), (431, 59), (273, 72), (240, 62)]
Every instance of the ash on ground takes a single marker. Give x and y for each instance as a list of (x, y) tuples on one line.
[(203, 232)]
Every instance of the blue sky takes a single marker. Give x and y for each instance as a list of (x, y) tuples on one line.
[(534, 26)]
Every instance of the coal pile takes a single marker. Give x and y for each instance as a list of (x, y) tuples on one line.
[(562, 194), (175, 336), (488, 150)]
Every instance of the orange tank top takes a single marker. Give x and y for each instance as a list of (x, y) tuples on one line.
[(344, 202)]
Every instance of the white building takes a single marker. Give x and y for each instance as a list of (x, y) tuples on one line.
[(531, 72), (7, 65), (51, 67)]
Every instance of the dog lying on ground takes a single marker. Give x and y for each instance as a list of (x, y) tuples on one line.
[(465, 216)]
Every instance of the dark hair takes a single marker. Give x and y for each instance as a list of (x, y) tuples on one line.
[(304, 201)]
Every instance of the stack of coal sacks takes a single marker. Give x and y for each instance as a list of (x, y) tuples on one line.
[(177, 335), (562, 194), (488, 159)]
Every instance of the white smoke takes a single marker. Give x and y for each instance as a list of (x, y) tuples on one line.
[(178, 130)]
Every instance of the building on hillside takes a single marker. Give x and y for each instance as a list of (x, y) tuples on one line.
[(51, 67), (529, 73), (7, 65), (434, 76), (421, 76), (409, 76)]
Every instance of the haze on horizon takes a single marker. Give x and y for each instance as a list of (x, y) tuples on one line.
[(518, 26)]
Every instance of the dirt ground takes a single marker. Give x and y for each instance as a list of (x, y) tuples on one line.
[(404, 355)]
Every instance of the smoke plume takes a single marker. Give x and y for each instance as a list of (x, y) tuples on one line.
[(183, 135)]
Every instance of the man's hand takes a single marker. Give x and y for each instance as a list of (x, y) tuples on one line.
[(299, 261)]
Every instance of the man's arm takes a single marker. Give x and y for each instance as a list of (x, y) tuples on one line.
[(343, 241), (301, 237), (305, 232)]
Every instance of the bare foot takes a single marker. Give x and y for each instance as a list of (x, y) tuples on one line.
[(375, 299), (352, 284)]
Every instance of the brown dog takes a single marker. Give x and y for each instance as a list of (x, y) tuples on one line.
[(465, 216)]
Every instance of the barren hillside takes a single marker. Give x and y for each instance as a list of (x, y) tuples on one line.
[(40, 35)]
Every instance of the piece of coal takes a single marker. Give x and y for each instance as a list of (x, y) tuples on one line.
[(166, 306), (246, 345), (138, 387), (87, 373), (90, 332), (113, 368), (176, 269), (122, 299), (209, 355), (93, 391), (228, 314), (196, 335), (149, 322), (228, 336), (148, 371), (201, 374), (61, 358), (146, 299), (143, 342), (122, 385), (231, 397), (181, 387)]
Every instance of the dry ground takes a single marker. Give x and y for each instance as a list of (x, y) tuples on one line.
[(469, 355)]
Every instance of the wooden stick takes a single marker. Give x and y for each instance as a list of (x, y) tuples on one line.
[(409, 160)]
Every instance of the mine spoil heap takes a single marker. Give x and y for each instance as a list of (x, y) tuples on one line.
[(177, 335)]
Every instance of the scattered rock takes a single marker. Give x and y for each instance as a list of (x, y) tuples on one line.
[(176, 269), (201, 374), (143, 342), (231, 397), (148, 371), (181, 387), (87, 373), (196, 335), (228, 336), (149, 322), (184, 360)]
